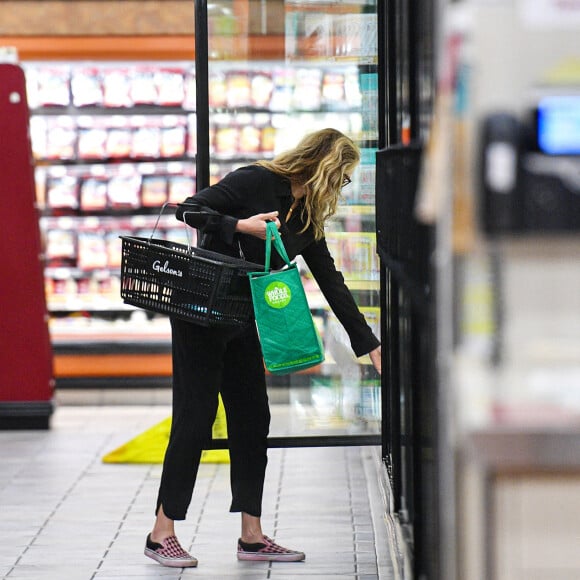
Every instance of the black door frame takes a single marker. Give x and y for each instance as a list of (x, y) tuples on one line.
[(202, 181), (407, 77)]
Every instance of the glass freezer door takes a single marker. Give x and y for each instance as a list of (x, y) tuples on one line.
[(276, 71)]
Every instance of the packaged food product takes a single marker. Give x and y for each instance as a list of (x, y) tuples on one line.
[(143, 88), (114, 251), (226, 140), (316, 41), (238, 89), (333, 90), (53, 86), (192, 135), (216, 173), (250, 140), (307, 89), (61, 283), (369, 98), (61, 138), (212, 132), (366, 175), (283, 90), (170, 86), (180, 187), (104, 282), (352, 93), (83, 285), (123, 191), (62, 192), (93, 194), (40, 184), (173, 141), (262, 88), (86, 87), (146, 138), (217, 91), (92, 138), (60, 248), (153, 190), (268, 139), (117, 88), (92, 251), (334, 243), (119, 138), (358, 251)]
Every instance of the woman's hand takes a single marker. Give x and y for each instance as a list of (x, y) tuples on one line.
[(376, 358), (256, 224)]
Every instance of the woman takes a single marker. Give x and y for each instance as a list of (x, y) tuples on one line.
[(298, 190)]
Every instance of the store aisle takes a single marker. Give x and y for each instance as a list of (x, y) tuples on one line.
[(65, 515)]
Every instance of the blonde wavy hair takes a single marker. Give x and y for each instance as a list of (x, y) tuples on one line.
[(319, 162)]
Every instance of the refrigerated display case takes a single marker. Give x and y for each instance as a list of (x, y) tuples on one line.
[(324, 74)]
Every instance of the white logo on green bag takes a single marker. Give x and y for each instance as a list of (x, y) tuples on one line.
[(277, 295)]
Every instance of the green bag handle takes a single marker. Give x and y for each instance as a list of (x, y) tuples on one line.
[(272, 233)]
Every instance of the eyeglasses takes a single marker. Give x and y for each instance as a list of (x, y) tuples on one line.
[(346, 180)]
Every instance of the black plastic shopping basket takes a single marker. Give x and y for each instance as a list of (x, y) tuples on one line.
[(190, 283)]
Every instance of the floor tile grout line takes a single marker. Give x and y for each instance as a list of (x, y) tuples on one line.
[(202, 509), (276, 522), (123, 520), (350, 502), (59, 504), (281, 472)]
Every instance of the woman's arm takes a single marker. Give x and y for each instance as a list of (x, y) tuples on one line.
[(332, 285), (220, 208), (208, 220), (209, 211)]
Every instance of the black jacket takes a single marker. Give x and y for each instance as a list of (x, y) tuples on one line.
[(248, 191)]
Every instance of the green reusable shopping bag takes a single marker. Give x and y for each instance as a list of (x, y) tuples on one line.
[(290, 341)]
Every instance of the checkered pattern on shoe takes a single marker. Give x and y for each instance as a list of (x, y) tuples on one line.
[(267, 550), (169, 553)]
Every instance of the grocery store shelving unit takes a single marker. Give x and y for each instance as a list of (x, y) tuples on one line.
[(111, 144)]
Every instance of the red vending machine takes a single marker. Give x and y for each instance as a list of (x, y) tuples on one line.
[(26, 375)]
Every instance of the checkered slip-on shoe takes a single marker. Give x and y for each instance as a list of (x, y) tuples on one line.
[(268, 551), (169, 553)]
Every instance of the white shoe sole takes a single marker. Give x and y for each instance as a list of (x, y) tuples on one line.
[(170, 562), (261, 557)]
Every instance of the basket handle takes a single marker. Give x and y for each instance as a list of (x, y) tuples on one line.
[(167, 203), (204, 212), (159, 217)]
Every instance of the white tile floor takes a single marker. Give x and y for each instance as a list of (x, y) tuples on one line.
[(65, 515)]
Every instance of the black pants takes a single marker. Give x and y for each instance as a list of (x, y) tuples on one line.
[(207, 361)]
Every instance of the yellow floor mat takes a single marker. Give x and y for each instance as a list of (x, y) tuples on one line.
[(150, 446)]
